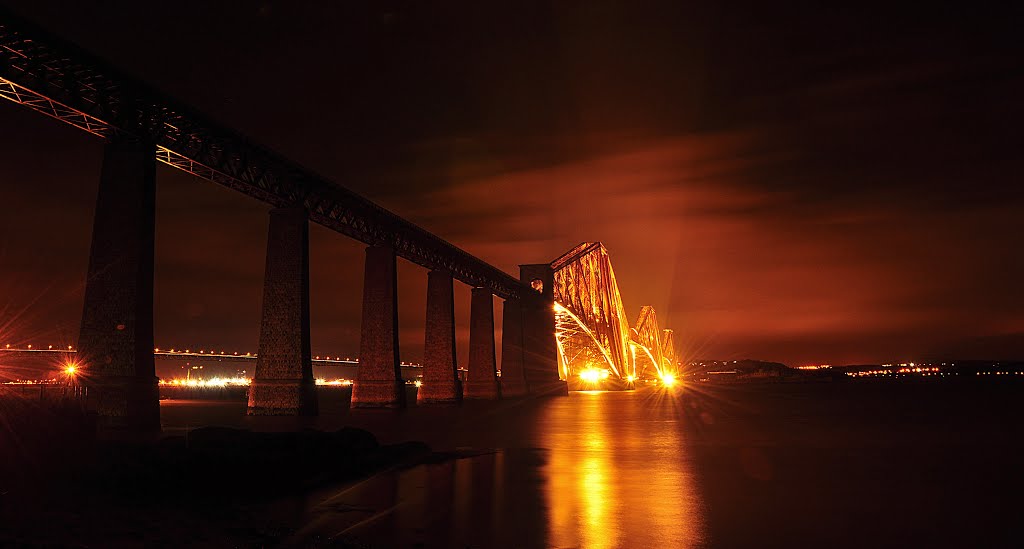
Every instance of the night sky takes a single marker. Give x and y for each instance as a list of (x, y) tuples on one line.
[(801, 183)]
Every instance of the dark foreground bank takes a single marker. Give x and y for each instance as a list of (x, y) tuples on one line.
[(215, 487)]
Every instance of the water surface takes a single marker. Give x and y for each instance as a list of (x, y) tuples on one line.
[(837, 465)]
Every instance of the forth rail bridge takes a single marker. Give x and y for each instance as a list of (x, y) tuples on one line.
[(562, 320)]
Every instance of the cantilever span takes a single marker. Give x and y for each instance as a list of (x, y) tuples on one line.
[(591, 327)]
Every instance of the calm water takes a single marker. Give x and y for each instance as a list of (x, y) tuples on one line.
[(596, 469), (844, 465)]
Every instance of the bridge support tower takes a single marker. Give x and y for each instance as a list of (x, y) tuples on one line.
[(283, 383), (513, 377), (540, 354), (441, 383), (115, 344), (482, 378), (379, 381)]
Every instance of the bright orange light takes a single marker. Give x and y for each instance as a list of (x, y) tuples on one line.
[(630, 379), (590, 375), (418, 383), (70, 369), (668, 380), (213, 382)]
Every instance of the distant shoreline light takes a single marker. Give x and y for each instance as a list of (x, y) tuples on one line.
[(234, 382)]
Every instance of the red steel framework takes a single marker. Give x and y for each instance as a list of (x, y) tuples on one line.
[(591, 324)]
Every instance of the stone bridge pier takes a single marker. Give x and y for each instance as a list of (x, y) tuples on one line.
[(482, 378), (116, 339), (441, 384), (379, 381), (115, 342), (283, 383), (513, 377), (540, 352)]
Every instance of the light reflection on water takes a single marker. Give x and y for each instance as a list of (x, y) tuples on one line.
[(595, 470), (619, 474)]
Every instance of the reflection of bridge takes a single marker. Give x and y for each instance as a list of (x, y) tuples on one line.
[(592, 330)]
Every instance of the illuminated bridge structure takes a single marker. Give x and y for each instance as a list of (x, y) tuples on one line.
[(142, 126), (592, 330)]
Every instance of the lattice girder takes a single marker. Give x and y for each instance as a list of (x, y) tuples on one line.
[(591, 316), (60, 80), (668, 351), (648, 334), (585, 285)]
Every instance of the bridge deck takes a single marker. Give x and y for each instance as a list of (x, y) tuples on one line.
[(60, 80)]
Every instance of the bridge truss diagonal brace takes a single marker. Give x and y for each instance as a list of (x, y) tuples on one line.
[(592, 325), (59, 111), (585, 285), (62, 81)]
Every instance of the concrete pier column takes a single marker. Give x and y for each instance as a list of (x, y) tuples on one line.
[(540, 354), (513, 376), (379, 381), (283, 383), (482, 378), (115, 344), (440, 374)]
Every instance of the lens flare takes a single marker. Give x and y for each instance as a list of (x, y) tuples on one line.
[(591, 375)]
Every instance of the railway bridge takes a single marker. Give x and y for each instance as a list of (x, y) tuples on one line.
[(142, 126)]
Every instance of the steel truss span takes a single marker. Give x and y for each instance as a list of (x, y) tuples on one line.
[(592, 330), (60, 80)]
